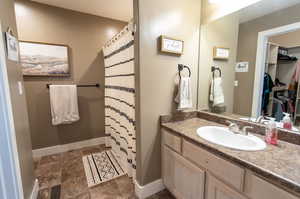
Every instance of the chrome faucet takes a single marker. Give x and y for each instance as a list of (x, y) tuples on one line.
[(245, 128), (259, 119), (233, 127)]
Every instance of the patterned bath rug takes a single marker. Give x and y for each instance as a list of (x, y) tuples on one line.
[(101, 167)]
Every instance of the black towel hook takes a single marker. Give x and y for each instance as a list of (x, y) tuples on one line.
[(181, 67)]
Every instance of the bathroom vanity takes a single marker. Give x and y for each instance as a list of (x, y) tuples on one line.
[(193, 168)]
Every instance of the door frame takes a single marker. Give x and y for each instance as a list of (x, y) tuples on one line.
[(11, 164), (261, 55)]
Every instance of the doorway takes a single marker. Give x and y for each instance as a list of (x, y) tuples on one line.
[(10, 174), (261, 56)]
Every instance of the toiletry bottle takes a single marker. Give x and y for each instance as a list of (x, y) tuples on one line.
[(287, 123), (271, 132)]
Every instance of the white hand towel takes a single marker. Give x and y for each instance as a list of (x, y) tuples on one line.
[(216, 91), (64, 104), (184, 96)]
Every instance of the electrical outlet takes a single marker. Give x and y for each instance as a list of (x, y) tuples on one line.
[(236, 83), (20, 88)]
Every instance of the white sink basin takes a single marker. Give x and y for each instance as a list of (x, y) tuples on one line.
[(222, 136)]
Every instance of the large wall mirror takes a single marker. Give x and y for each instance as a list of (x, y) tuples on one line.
[(259, 79)]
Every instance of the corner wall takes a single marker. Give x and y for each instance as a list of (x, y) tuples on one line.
[(288, 40), (156, 73)]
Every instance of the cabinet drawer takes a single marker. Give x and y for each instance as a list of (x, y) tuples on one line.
[(172, 141), (223, 169), (255, 187)]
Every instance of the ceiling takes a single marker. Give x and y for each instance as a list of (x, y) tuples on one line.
[(114, 9), (123, 9), (264, 7)]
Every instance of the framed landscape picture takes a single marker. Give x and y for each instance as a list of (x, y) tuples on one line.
[(43, 59)]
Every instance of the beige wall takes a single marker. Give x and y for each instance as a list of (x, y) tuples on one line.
[(247, 45), (85, 35), (288, 40), (221, 33), (214, 11), (156, 72), (7, 18)]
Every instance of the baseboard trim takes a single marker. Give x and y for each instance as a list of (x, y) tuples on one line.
[(35, 190), (66, 147), (147, 190)]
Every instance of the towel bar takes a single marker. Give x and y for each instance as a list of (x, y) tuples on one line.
[(82, 85)]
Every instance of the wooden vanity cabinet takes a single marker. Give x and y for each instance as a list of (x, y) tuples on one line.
[(216, 189), (223, 169), (191, 172), (256, 187), (182, 178), (172, 141)]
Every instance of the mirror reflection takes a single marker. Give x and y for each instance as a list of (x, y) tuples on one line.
[(249, 64)]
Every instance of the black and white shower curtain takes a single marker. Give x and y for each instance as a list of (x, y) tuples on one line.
[(120, 98)]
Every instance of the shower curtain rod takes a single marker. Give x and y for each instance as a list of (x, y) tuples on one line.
[(128, 27), (81, 85)]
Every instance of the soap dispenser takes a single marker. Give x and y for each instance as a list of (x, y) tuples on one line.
[(271, 136), (287, 122)]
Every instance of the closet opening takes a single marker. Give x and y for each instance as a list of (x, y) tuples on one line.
[(277, 75)]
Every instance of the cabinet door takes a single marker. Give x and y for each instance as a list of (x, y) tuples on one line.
[(181, 177), (215, 189), (255, 187)]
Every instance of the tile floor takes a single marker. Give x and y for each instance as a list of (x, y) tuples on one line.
[(66, 170)]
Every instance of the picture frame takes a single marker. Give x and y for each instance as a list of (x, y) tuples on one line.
[(44, 59), (242, 67), (12, 47), (221, 53), (171, 45)]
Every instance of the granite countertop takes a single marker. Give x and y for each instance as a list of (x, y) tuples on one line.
[(279, 164)]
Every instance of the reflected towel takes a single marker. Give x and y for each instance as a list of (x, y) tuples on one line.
[(184, 96), (64, 104), (216, 91)]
